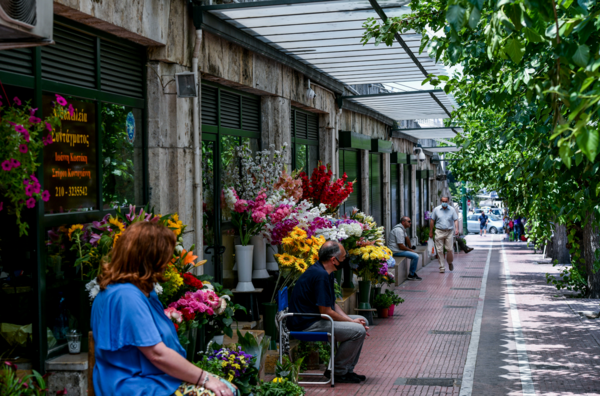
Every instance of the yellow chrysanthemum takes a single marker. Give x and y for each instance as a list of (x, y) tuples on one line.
[(285, 259), (73, 228), (301, 266), (117, 224), (175, 224)]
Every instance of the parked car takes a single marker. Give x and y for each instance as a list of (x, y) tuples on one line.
[(495, 224)]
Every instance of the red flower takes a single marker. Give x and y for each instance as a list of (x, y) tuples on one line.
[(192, 281), (321, 189), (188, 314), (176, 326)]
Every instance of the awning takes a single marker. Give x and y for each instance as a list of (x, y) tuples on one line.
[(447, 149), (428, 133), (325, 35)]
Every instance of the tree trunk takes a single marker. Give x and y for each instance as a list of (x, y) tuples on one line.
[(549, 246), (559, 250), (591, 243)]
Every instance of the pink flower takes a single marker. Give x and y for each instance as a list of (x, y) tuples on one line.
[(182, 302), (33, 178), (241, 206), (210, 311), (29, 190), (199, 295), (17, 101), (23, 148), (61, 101), (25, 182), (48, 140), (258, 217), (174, 315), (20, 129), (212, 299), (71, 110), (6, 165), (48, 127), (1, 206), (30, 203), (15, 163), (46, 196), (32, 111), (36, 187), (34, 120)]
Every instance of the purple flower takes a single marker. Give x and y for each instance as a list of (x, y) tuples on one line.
[(36, 187), (48, 127), (6, 165), (48, 140), (14, 163), (29, 190), (1, 205), (25, 182), (17, 101), (20, 129), (45, 195), (32, 111), (71, 110), (94, 239), (34, 120), (33, 178), (61, 101), (30, 203), (23, 148)]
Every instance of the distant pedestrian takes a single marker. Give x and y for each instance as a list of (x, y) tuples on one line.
[(517, 227), (399, 244), (446, 220), (483, 221)]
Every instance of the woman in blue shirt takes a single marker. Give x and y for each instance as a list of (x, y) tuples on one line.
[(136, 346)]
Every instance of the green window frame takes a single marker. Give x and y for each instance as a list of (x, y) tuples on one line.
[(395, 194), (349, 163), (376, 187), (305, 140), (99, 67)]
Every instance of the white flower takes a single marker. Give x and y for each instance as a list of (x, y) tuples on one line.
[(158, 288), (226, 297), (352, 229), (208, 286), (93, 288), (178, 249)]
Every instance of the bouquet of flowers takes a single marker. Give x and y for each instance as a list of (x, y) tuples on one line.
[(369, 261), (248, 216), (300, 251), (232, 364), (320, 189), (22, 137)]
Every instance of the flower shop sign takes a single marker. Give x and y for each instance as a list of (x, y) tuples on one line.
[(70, 170)]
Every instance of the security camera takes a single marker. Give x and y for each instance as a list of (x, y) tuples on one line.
[(420, 155)]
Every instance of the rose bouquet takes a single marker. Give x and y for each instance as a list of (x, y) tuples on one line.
[(321, 189), (22, 137)]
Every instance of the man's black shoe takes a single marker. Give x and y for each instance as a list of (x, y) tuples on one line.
[(360, 377), (349, 378), (414, 277)]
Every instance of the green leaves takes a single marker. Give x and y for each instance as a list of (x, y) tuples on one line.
[(455, 16), (514, 49), (587, 141), (532, 36), (581, 57), (586, 4)]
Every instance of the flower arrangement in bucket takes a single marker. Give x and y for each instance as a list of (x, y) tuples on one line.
[(22, 137)]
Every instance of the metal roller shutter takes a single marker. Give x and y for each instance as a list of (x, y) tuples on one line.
[(122, 69), (210, 105)]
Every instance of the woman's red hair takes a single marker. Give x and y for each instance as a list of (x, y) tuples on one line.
[(140, 256)]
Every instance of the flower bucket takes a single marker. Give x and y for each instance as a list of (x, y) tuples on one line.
[(383, 312), (375, 291), (271, 263), (364, 293), (338, 277), (243, 260), (190, 348), (259, 261), (269, 323), (347, 274), (391, 310)]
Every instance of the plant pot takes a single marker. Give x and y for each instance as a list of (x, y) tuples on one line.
[(364, 293), (375, 291), (269, 323), (347, 274), (312, 360), (243, 260), (259, 261), (391, 310), (271, 262), (383, 312)]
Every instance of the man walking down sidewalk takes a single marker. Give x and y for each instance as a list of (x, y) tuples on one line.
[(446, 221), (483, 221), (399, 244)]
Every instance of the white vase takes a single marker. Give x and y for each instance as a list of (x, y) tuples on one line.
[(259, 262), (271, 262), (243, 260)]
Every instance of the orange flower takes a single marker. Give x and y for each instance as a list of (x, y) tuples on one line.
[(186, 258)]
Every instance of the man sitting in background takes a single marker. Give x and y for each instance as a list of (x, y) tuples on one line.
[(398, 243), (314, 294)]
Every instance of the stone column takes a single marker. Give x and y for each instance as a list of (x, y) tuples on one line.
[(401, 184), (413, 193), (387, 195), (276, 127), (364, 180), (170, 152), (327, 142)]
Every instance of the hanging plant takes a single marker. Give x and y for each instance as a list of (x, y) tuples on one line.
[(22, 137)]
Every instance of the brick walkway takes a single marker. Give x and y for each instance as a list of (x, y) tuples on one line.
[(413, 353)]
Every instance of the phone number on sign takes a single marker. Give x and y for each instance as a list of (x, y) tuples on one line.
[(72, 191)]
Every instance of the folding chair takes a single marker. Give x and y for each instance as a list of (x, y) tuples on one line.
[(306, 336)]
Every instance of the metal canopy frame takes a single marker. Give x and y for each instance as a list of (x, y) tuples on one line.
[(428, 133)]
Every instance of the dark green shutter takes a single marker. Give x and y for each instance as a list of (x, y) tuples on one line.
[(301, 123), (349, 164), (395, 194), (17, 61), (375, 202), (122, 68), (230, 110), (210, 105), (312, 127), (417, 219), (250, 114), (72, 60)]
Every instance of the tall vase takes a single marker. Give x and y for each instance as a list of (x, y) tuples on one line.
[(243, 260), (338, 277), (364, 293), (259, 257), (269, 323), (271, 262), (348, 284), (190, 348)]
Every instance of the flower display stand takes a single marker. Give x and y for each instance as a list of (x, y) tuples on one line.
[(271, 263), (259, 254), (243, 260)]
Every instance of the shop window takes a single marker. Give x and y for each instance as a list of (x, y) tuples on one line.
[(305, 140)]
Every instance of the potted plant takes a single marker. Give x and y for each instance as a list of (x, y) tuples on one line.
[(396, 299), (382, 303)]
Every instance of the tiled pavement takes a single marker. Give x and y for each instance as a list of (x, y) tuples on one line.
[(562, 351)]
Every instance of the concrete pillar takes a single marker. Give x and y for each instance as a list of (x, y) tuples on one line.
[(387, 195), (276, 126), (327, 142), (364, 180), (401, 184), (413, 192), (170, 152)]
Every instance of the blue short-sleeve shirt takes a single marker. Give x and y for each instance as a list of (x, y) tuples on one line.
[(483, 219), (313, 289), (123, 318)]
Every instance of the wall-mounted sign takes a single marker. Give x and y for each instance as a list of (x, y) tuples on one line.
[(130, 125), (70, 173)]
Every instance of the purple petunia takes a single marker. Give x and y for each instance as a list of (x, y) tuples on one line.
[(45, 195), (6, 166), (30, 203), (71, 110), (29, 190), (17, 101), (61, 101), (32, 111), (14, 163), (1, 205), (48, 127), (23, 148), (20, 129), (35, 120)]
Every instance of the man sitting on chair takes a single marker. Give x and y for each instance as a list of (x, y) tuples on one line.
[(314, 293)]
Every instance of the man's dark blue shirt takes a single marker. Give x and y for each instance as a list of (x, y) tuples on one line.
[(313, 289), (482, 219)]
